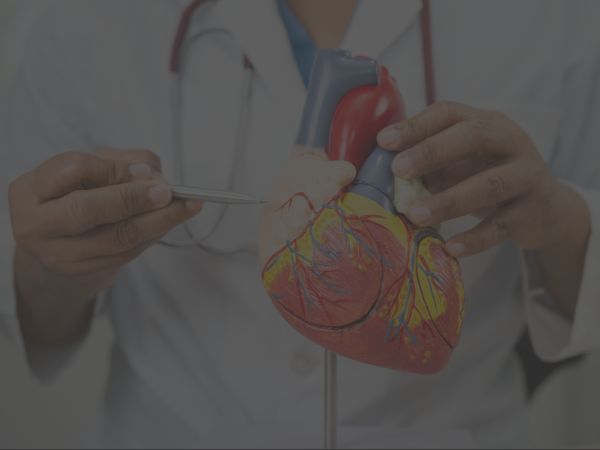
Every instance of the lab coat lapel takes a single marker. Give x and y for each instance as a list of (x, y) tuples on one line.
[(262, 36), (378, 24)]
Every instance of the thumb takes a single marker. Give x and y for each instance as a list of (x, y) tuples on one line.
[(342, 173)]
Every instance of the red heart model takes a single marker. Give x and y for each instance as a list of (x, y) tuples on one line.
[(362, 280)]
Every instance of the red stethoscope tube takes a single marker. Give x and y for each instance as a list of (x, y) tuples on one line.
[(426, 38)]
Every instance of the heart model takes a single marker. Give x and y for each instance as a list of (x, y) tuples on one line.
[(351, 273)]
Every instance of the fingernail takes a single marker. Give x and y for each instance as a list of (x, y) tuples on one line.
[(194, 206), (402, 166), (456, 249), (389, 136), (160, 194), (420, 214), (140, 170)]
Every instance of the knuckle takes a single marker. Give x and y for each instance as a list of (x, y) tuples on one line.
[(481, 130), (496, 186), (75, 159), (151, 158), (411, 128), (74, 165), (430, 153), (445, 107), (479, 125), (452, 111), (117, 172), (130, 200), (77, 213), (127, 234)]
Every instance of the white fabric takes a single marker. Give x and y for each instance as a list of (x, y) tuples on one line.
[(555, 337), (196, 335)]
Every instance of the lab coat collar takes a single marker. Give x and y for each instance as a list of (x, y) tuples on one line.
[(261, 34), (378, 24)]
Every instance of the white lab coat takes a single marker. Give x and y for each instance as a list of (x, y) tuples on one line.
[(201, 356)]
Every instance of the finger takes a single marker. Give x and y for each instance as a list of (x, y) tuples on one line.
[(341, 174), (437, 117), (481, 191), (109, 262), (136, 155), (477, 138), (327, 181), (75, 171), (313, 178), (302, 151), (141, 230), (308, 184), (453, 174), (61, 262), (492, 231), (98, 265), (123, 238), (81, 211)]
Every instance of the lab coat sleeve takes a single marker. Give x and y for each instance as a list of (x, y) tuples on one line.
[(38, 119), (575, 161)]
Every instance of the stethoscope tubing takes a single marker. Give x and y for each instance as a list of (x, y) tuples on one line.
[(177, 133)]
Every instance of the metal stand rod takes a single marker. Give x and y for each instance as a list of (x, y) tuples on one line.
[(330, 400)]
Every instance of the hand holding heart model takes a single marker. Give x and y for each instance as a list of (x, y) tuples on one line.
[(340, 263)]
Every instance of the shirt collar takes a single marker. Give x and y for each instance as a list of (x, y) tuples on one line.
[(378, 24), (260, 32)]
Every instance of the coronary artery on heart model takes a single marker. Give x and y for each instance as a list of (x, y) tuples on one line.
[(356, 276)]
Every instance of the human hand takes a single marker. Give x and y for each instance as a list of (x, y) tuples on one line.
[(82, 217), (482, 163), (307, 182)]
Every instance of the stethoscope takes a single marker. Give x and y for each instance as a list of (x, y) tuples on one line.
[(181, 44), (183, 41)]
